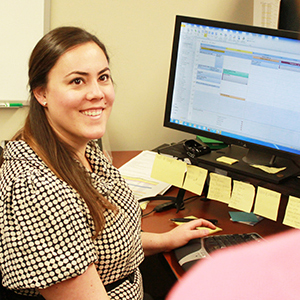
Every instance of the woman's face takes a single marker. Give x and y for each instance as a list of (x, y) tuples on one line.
[(79, 95)]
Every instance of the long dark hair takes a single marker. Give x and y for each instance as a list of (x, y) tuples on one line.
[(37, 131)]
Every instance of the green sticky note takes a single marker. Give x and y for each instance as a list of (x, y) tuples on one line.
[(240, 216)]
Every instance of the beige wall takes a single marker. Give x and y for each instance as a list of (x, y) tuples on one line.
[(138, 35)]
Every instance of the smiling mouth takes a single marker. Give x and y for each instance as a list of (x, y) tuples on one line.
[(93, 113)]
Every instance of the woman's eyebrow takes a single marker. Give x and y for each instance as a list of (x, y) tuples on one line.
[(104, 70), (86, 73), (77, 73)]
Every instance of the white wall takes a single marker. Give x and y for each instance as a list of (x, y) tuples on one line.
[(11, 120), (138, 35)]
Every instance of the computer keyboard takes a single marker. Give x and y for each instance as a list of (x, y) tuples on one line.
[(201, 248)]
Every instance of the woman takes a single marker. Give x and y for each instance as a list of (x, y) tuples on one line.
[(71, 226)]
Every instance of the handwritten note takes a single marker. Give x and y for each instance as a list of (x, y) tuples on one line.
[(292, 213), (267, 203), (195, 179), (168, 170), (219, 188), (242, 196)]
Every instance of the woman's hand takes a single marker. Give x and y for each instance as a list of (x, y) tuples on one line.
[(177, 237), (183, 233)]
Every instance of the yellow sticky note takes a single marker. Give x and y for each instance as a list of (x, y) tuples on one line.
[(227, 160), (270, 170), (292, 213), (217, 229), (219, 188), (211, 231), (195, 179), (267, 203), (242, 196), (143, 205), (168, 170)]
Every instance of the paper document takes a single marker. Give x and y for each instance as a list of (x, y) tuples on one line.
[(137, 173)]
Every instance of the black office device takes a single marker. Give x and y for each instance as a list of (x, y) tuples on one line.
[(198, 249), (241, 85), (195, 148)]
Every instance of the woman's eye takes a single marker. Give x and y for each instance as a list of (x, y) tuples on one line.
[(104, 77), (77, 81)]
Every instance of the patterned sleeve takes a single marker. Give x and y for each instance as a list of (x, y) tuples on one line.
[(46, 236)]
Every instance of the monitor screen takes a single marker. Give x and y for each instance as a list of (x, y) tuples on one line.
[(236, 83)]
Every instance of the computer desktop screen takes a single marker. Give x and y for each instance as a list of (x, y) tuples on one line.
[(238, 84)]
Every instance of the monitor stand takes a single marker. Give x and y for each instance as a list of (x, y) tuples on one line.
[(254, 157), (246, 157)]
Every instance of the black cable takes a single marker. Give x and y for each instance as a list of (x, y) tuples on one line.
[(147, 214), (192, 198)]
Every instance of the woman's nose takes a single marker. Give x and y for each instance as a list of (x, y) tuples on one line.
[(94, 91)]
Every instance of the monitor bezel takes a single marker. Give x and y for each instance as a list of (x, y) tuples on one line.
[(198, 132)]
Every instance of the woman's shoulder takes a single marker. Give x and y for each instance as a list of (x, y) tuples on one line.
[(19, 158), (15, 151), (24, 175), (23, 167)]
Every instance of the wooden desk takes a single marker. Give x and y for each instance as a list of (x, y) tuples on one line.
[(160, 222)]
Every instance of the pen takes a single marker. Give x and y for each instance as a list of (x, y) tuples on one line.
[(185, 220), (6, 104)]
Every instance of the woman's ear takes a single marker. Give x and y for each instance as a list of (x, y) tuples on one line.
[(40, 95)]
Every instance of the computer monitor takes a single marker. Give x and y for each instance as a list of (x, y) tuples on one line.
[(289, 18), (241, 85)]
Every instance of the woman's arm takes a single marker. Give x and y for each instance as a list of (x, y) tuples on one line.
[(87, 286), (163, 242)]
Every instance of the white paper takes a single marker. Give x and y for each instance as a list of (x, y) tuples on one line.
[(137, 173)]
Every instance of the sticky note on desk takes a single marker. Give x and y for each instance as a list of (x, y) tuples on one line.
[(292, 213), (267, 203), (240, 216), (195, 179), (219, 188), (242, 196), (227, 160), (211, 231), (168, 170), (270, 170)]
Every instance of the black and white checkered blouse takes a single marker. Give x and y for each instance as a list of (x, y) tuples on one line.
[(46, 227)]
